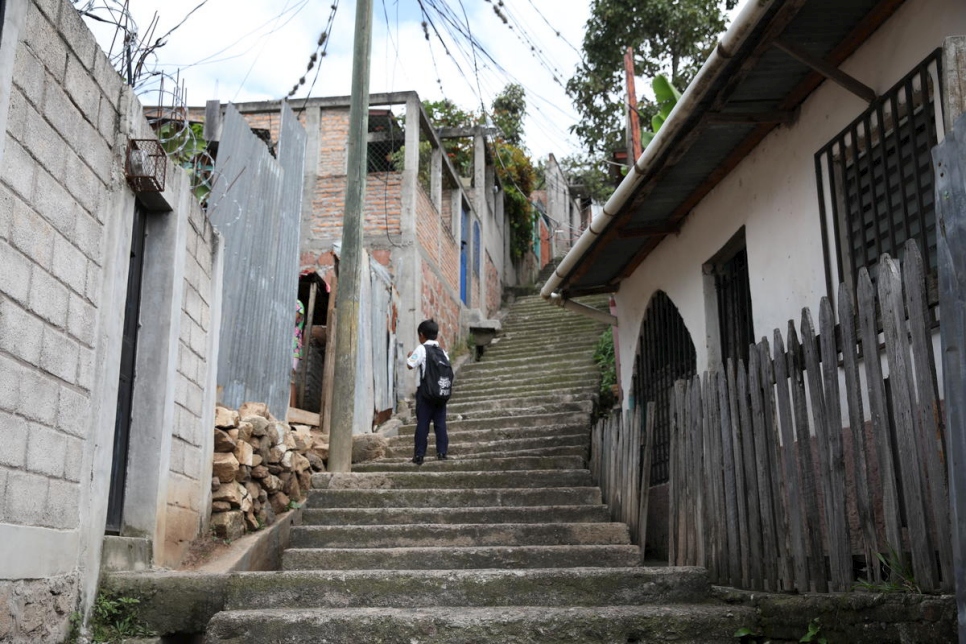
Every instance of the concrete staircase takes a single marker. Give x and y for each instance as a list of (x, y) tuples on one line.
[(506, 542)]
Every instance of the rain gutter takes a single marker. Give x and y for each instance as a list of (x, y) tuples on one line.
[(730, 42)]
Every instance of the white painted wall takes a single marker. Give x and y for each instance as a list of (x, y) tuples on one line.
[(773, 193)]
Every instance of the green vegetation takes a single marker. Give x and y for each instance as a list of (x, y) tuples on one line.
[(900, 576), (814, 633), (604, 357), (116, 618)]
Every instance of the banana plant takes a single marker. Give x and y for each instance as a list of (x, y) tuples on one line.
[(666, 95)]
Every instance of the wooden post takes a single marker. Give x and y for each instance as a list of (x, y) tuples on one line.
[(306, 340), (949, 160), (635, 130), (954, 80), (347, 304)]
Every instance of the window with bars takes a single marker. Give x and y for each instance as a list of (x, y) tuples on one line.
[(734, 301), (665, 354), (876, 179)]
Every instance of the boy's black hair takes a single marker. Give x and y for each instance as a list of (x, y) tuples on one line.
[(428, 329)]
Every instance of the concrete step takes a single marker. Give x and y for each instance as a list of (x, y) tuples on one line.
[(506, 447), (522, 396), (430, 588), (526, 383), (487, 497), (462, 558), (423, 479), (457, 435), (503, 514), (508, 422), (681, 624), (460, 535), (477, 464), (523, 370), (583, 357), (523, 406), (581, 451)]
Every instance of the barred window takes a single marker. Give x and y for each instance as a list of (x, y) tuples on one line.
[(876, 179)]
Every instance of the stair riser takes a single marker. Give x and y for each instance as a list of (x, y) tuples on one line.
[(476, 465), (583, 357), (468, 588), (526, 406), (524, 385), (452, 498), (461, 536), (503, 376), (506, 447), (458, 435), (401, 516), (460, 558), (535, 625), (425, 480), (521, 397), (508, 423)]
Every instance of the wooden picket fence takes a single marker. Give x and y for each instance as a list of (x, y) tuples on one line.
[(774, 485), (761, 490)]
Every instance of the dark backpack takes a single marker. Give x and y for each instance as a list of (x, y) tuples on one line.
[(437, 384)]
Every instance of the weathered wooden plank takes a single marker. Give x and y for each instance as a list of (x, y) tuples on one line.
[(840, 542), (931, 438), (705, 477), (741, 498), (893, 319), (841, 577), (301, 417), (853, 395), (756, 551), (674, 481), (637, 436), (949, 161), (697, 534), (813, 522), (718, 486), (648, 450), (954, 98), (792, 489), (769, 531), (879, 414), (774, 469), (733, 544)]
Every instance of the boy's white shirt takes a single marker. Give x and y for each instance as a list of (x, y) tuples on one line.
[(418, 357)]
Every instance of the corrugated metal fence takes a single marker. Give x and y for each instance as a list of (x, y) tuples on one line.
[(256, 204)]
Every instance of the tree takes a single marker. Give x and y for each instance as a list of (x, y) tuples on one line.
[(672, 37), (509, 108)]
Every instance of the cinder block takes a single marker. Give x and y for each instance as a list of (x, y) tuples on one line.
[(73, 458), (178, 447), (89, 237), (39, 398), (51, 9), (83, 184), (3, 518), (10, 374), (82, 89), (17, 115), (73, 412), (46, 146), (195, 404), (95, 278), (14, 274), (46, 451), (96, 152), (59, 355), (192, 462), (79, 38), (81, 322), (63, 507), (7, 200), (199, 339), (85, 369), (15, 437), (107, 78), (29, 76), (46, 43), (48, 298), (26, 498), (69, 265), (107, 117), (21, 334), (19, 169)]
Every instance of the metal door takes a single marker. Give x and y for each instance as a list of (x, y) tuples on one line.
[(125, 388)]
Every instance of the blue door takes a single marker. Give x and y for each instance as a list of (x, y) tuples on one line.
[(464, 254)]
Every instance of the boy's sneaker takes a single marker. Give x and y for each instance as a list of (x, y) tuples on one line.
[(418, 460), (442, 457)]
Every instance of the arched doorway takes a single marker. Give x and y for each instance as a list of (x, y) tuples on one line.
[(665, 354)]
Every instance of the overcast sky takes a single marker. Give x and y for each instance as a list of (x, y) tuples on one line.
[(245, 50)]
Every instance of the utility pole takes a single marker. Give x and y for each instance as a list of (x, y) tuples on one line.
[(350, 264), (634, 146)]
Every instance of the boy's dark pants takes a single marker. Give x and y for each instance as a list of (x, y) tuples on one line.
[(426, 412)]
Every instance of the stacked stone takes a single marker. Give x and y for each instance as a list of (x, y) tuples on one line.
[(260, 466)]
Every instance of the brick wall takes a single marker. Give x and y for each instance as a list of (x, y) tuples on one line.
[(438, 303)]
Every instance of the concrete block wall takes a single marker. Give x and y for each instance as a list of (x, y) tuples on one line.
[(494, 296), (190, 468), (66, 218)]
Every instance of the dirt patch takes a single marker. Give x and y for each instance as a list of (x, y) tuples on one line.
[(202, 550)]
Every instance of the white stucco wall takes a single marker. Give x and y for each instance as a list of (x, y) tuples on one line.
[(773, 193)]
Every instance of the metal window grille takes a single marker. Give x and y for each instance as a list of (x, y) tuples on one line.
[(386, 139), (879, 177), (665, 354), (734, 307)]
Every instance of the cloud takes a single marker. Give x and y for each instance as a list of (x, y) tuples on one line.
[(241, 50)]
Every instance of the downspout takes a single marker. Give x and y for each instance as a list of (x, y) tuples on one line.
[(733, 39)]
